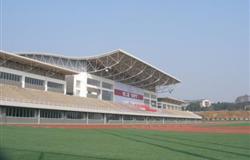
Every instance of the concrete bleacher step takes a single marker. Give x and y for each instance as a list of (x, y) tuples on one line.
[(53, 98)]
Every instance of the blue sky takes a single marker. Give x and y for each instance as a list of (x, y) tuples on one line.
[(203, 43)]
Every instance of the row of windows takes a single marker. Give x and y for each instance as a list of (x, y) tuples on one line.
[(75, 115), (107, 95), (29, 112), (28, 80), (34, 81), (126, 118), (155, 118), (95, 116), (165, 106), (93, 82), (107, 85), (59, 114), (153, 96), (95, 93), (113, 117), (96, 83), (139, 118), (10, 77), (50, 114), (55, 85), (159, 105), (20, 112), (147, 95)]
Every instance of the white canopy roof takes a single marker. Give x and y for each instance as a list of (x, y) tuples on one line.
[(117, 65)]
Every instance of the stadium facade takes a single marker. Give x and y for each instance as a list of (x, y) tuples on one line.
[(115, 87)]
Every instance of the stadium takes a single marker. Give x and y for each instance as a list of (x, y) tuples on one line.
[(105, 107), (116, 87)]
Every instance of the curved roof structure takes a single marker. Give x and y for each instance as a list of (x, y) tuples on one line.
[(117, 65), (8, 56)]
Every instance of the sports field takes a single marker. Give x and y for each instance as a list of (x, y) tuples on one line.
[(28, 143)]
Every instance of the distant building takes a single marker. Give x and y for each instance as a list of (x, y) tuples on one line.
[(242, 99), (202, 102), (205, 103)]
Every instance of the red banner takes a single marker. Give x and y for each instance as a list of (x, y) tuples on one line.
[(128, 94)]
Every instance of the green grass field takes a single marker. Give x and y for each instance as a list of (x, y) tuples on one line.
[(26, 143)]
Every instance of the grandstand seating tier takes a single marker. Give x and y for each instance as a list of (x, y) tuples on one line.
[(17, 94)]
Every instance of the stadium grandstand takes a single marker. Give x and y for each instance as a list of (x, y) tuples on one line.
[(115, 87)]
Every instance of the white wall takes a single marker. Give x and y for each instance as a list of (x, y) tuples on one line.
[(82, 77)]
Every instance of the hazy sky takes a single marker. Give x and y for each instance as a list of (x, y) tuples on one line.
[(203, 43)]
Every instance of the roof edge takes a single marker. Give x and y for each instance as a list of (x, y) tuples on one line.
[(39, 62)]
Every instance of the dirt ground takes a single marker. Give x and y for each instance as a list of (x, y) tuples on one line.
[(194, 128)]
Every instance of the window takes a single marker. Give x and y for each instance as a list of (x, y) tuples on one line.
[(34, 81), (159, 105), (172, 107), (147, 101), (147, 95), (128, 118), (55, 85), (113, 117), (153, 103), (95, 116), (75, 115), (78, 83), (153, 96), (164, 106), (10, 77), (20, 112), (93, 92), (139, 118), (50, 114), (107, 95), (169, 107), (107, 85), (93, 82)]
